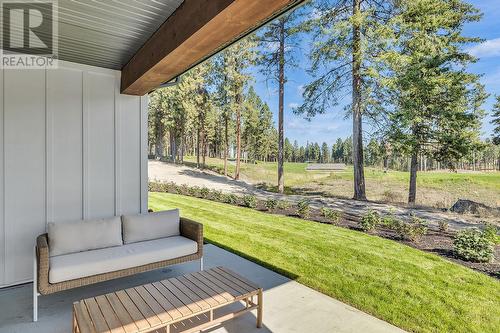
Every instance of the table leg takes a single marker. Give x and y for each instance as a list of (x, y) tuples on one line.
[(259, 309), (75, 325)]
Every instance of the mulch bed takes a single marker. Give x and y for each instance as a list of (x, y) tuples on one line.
[(435, 241)]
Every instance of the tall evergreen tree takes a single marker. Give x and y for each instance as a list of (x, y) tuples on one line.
[(345, 42), (278, 46), (437, 102), (496, 121), (157, 121), (237, 59), (325, 153)]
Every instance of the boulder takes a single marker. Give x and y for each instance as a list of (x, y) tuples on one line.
[(464, 206)]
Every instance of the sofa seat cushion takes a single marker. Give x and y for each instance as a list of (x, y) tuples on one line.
[(144, 227), (82, 264)]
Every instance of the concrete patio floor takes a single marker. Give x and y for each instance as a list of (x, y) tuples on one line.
[(288, 305)]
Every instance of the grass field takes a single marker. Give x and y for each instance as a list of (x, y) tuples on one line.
[(435, 189), (414, 290)]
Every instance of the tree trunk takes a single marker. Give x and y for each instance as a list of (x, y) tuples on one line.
[(173, 147), (198, 148), (357, 130), (281, 135), (181, 157), (226, 144), (412, 193), (238, 136), (204, 151)]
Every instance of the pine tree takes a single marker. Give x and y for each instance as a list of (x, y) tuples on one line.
[(496, 121), (278, 44), (237, 59), (345, 42), (436, 102), (496, 130), (325, 153)]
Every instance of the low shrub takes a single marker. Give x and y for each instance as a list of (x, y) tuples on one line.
[(230, 199), (250, 201), (172, 187), (369, 221), (194, 191), (271, 203), (390, 221), (183, 189), (303, 209), (162, 187), (443, 225), (492, 233), (283, 204), (412, 230), (204, 192), (216, 195), (331, 215), (473, 245)]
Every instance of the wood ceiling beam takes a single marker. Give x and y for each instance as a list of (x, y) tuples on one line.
[(195, 31)]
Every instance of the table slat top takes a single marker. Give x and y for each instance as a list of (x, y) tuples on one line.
[(155, 305)]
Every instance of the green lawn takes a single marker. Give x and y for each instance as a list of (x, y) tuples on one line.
[(435, 189), (414, 290)]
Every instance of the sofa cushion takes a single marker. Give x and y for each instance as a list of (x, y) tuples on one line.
[(70, 237), (138, 228), (77, 265)]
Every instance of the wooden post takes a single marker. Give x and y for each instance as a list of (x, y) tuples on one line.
[(75, 325), (259, 309)]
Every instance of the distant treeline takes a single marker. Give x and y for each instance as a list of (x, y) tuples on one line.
[(262, 146)]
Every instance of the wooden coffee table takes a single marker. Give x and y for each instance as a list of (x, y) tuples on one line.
[(182, 304)]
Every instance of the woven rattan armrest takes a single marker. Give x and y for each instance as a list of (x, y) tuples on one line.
[(42, 258), (194, 231)]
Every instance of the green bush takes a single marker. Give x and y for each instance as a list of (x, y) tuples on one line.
[(412, 230), (331, 215), (271, 203), (194, 191), (443, 225), (304, 209), (369, 221), (230, 199), (283, 204), (492, 233), (182, 189), (216, 195), (390, 221), (204, 192), (162, 187), (250, 201), (473, 245)]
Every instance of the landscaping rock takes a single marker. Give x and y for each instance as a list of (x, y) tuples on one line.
[(464, 206)]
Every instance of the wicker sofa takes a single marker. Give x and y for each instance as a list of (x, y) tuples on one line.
[(141, 243)]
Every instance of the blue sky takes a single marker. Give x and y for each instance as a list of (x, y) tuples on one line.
[(332, 125)]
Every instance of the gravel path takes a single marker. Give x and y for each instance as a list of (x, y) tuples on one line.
[(180, 174)]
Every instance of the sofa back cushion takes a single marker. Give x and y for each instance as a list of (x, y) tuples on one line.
[(70, 237), (142, 227)]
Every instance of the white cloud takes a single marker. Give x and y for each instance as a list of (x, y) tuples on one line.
[(492, 78), (300, 89), (489, 48), (293, 105)]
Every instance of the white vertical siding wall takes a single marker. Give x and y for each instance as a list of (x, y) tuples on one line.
[(71, 147)]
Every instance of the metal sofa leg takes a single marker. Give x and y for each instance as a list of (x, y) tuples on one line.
[(201, 263), (35, 288)]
